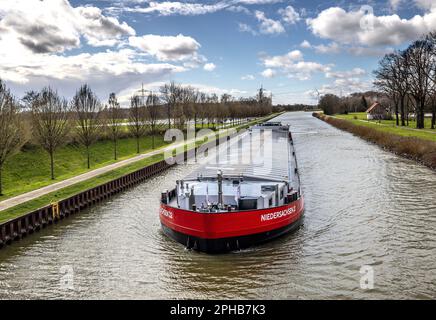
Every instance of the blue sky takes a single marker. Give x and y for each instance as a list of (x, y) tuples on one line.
[(291, 47)]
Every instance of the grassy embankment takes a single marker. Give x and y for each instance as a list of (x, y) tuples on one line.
[(30, 168), (389, 126), (106, 147), (413, 144)]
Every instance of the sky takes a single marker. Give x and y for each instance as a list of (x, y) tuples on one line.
[(294, 49)]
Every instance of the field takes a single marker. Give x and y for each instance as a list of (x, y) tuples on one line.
[(71, 161), (389, 126), (401, 141), (30, 168), (29, 206)]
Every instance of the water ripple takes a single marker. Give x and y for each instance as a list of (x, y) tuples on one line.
[(364, 206)]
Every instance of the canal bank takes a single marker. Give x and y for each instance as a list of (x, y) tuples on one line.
[(420, 150), (30, 216), (362, 209)]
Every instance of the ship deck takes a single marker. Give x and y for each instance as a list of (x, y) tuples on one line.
[(257, 170), (260, 154)]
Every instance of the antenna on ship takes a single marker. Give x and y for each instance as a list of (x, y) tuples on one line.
[(220, 188)]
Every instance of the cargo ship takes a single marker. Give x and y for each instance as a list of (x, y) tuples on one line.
[(238, 203)]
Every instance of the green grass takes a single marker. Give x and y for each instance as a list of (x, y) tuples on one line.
[(390, 127), (30, 168), (362, 116), (67, 192), (64, 193)]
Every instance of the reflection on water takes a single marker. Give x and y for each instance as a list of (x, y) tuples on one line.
[(364, 206)]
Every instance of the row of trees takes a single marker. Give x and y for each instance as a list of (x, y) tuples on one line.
[(408, 78), (355, 102), (51, 119), (12, 132), (184, 103)]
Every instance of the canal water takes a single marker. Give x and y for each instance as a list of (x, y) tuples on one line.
[(366, 211)]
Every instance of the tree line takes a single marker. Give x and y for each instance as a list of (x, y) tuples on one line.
[(355, 102), (53, 121), (405, 81), (408, 78)]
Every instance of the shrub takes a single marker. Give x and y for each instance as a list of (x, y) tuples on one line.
[(410, 147)]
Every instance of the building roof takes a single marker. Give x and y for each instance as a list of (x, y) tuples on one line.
[(373, 107)]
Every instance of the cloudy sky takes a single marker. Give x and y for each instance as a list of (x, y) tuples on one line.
[(291, 47)]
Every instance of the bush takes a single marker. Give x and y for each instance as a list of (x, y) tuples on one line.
[(410, 147)]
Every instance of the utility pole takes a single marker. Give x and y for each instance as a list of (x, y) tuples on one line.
[(142, 92), (317, 93)]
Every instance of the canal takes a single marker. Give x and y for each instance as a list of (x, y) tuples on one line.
[(364, 207)]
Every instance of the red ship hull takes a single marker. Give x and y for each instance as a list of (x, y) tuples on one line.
[(223, 232)]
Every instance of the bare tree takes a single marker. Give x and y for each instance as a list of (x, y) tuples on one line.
[(420, 64), (138, 118), (387, 80), (195, 106), (202, 107), (50, 116), (170, 94), (432, 39), (153, 102), (88, 111), (113, 117), (12, 134)]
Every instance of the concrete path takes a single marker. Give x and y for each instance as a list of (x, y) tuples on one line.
[(11, 202)]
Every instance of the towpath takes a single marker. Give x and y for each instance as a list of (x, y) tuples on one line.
[(22, 198)]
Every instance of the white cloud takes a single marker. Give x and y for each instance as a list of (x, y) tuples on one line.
[(303, 70), (248, 77), (340, 87), (395, 3), (259, 1), (209, 66), (423, 4), (292, 65), (345, 27), (344, 83), (268, 73), (334, 48), (67, 73), (282, 61), (356, 72), (330, 48), (268, 26), (371, 52), (289, 15), (166, 48), (100, 30), (246, 28), (426, 4), (168, 8), (239, 9), (55, 26), (306, 44), (36, 36)]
